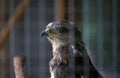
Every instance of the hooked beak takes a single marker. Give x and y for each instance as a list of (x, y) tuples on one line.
[(44, 33)]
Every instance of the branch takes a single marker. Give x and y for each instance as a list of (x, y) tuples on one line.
[(19, 62), (12, 21)]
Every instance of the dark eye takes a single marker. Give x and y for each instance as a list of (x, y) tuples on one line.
[(61, 29)]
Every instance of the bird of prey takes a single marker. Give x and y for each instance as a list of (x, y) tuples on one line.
[(70, 57)]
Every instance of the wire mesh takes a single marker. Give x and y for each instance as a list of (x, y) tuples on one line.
[(97, 19)]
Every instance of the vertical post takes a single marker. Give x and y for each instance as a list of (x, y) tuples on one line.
[(19, 62), (76, 10), (61, 9), (4, 62), (4, 54)]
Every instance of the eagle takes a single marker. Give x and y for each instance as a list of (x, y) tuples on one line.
[(70, 58)]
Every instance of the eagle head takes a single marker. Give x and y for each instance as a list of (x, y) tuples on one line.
[(58, 32)]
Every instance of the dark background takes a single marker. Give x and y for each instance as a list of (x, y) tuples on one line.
[(98, 20)]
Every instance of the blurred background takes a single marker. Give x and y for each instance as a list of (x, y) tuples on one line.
[(98, 20)]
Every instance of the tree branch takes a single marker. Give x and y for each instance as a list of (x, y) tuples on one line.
[(12, 21), (19, 62)]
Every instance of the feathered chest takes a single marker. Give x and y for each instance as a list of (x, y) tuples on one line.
[(63, 61), (60, 54)]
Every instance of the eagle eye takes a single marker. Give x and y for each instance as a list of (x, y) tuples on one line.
[(61, 29)]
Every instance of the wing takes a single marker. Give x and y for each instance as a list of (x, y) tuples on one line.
[(83, 64)]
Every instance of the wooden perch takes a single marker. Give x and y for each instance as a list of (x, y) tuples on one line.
[(12, 21), (19, 62)]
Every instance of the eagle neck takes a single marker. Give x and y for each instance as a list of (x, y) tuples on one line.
[(60, 48)]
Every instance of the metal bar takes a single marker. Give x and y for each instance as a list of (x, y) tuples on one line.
[(27, 41), (42, 42), (86, 35), (100, 32), (114, 42), (11, 40), (86, 21)]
